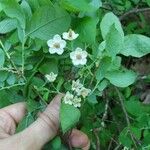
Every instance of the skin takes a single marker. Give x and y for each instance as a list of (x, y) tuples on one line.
[(37, 134)]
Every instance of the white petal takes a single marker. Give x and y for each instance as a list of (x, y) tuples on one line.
[(84, 54), (72, 55), (50, 43), (62, 44), (76, 62), (60, 51), (65, 35), (74, 35), (57, 38), (52, 50), (78, 49), (83, 61)]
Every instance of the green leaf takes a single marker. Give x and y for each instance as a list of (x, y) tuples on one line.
[(34, 4), (124, 138), (114, 42), (3, 76), (102, 85), (69, 116), (7, 25), (92, 99), (134, 107), (27, 120), (104, 65), (45, 2), (48, 21), (136, 45), (107, 64), (148, 2), (87, 29), (56, 143), (2, 58), (4, 99), (38, 82), (11, 79), (49, 66), (13, 10), (27, 10), (76, 6), (96, 3), (98, 53), (108, 20), (121, 78), (32, 105)]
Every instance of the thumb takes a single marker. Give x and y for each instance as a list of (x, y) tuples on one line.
[(41, 131)]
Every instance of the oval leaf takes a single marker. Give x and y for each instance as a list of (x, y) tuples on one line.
[(136, 45), (108, 20), (7, 25), (48, 21), (121, 78), (69, 116)]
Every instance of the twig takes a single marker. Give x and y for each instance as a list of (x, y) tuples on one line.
[(12, 70), (105, 8), (106, 110), (10, 60), (35, 90), (126, 116), (133, 11), (115, 119), (69, 143), (105, 114), (26, 89), (110, 144), (66, 139), (95, 131), (23, 57), (8, 56), (9, 87)]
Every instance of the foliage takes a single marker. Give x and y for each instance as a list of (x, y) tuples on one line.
[(105, 39)]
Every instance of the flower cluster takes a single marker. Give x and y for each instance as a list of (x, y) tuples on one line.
[(51, 77), (79, 91), (57, 45)]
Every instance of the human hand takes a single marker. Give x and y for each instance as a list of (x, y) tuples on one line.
[(37, 134)]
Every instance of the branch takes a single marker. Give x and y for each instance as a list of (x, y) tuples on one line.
[(133, 11), (12, 70), (95, 131), (9, 87), (10, 60), (127, 117)]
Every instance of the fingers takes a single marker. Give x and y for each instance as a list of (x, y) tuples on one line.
[(16, 111), (79, 140), (41, 131), (9, 117)]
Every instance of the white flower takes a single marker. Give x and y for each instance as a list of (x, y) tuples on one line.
[(56, 45), (77, 101), (78, 57), (76, 85), (83, 92), (125, 148), (70, 35), (68, 98), (51, 77)]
